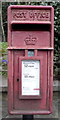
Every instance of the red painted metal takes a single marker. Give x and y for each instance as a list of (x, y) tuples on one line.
[(20, 73), (30, 28)]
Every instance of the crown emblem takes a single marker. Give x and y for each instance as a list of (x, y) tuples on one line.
[(30, 40)]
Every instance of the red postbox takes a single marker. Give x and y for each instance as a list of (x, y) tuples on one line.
[(30, 56)]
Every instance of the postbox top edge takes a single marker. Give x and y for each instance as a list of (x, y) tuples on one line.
[(29, 6)]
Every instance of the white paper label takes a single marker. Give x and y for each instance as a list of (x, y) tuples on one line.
[(30, 77)]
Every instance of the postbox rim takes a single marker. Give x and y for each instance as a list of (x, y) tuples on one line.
[(30, 6)]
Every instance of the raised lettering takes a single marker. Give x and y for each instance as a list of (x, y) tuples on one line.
[(29, 15)]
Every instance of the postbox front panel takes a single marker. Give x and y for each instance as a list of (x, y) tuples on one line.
[(27, 100), (30, 66)]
